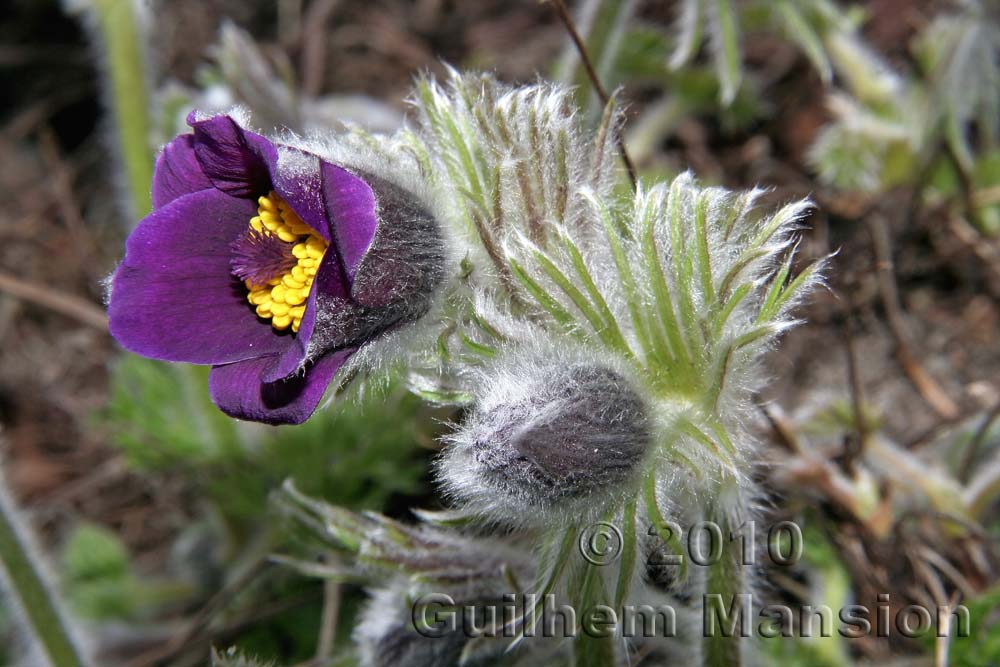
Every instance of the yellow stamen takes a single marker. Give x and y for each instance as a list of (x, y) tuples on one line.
[(281, 299)]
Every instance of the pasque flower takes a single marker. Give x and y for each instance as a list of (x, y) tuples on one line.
[(271, 264)]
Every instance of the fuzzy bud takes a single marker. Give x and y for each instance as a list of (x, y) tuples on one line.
[(546, 434), (387, 636)]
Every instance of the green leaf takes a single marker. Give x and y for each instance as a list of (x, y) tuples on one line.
[(548, 302), (738, 296), (798, 30), (688, 33), (161, 415), (982, 645), (593, 649), (576, 257), (574, 294), (683, 270), (704, 257), (725, 43), (632, 297), (661, 292), (770, 306), (94, 552)]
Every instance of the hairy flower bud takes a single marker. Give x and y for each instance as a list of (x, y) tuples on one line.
[(545, 433), (388, 636)]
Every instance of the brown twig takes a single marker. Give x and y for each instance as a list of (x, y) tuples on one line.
[(984, 248), (66, 304), (61, 178), (932, 582), (581, 48), (289, 22), (328, 623), (111, 469), (782, 429), (314, 40), (936, 430), (989, 196), (231, 631), (949, 571), (926, 386), (966, 186), (971, 235), (965, 469), (857, 393), (198, 625)]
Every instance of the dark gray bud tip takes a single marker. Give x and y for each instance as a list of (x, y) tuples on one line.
[(396, 280), (406, 258), (403, 645), (664, 570), (386, 638), (578, 431)]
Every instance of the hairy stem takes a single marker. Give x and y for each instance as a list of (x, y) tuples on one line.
[(727, 582), (25, 582), (124, 59)]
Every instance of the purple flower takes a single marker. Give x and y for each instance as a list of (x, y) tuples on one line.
[(272, 265)]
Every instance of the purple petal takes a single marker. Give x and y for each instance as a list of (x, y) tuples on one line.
[(235, 160), (239, 392), (295, 175), (177, 172), (174, 298), (351, 209), (245, 164)]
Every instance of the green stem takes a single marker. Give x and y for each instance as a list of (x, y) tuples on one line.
[(670, 537), (726, 579), (598, 651), (593, 645), (31, 593), (627, 561), (129, 95)]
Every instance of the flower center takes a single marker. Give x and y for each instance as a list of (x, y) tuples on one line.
[(259, 257), (277, 260)]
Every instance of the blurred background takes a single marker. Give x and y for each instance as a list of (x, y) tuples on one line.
[(881, 427)]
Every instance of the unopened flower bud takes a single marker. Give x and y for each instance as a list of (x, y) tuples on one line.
[(430, 631), (544, 435)]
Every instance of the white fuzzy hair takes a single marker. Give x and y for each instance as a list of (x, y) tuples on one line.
[(531, 375), (678, 291)]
